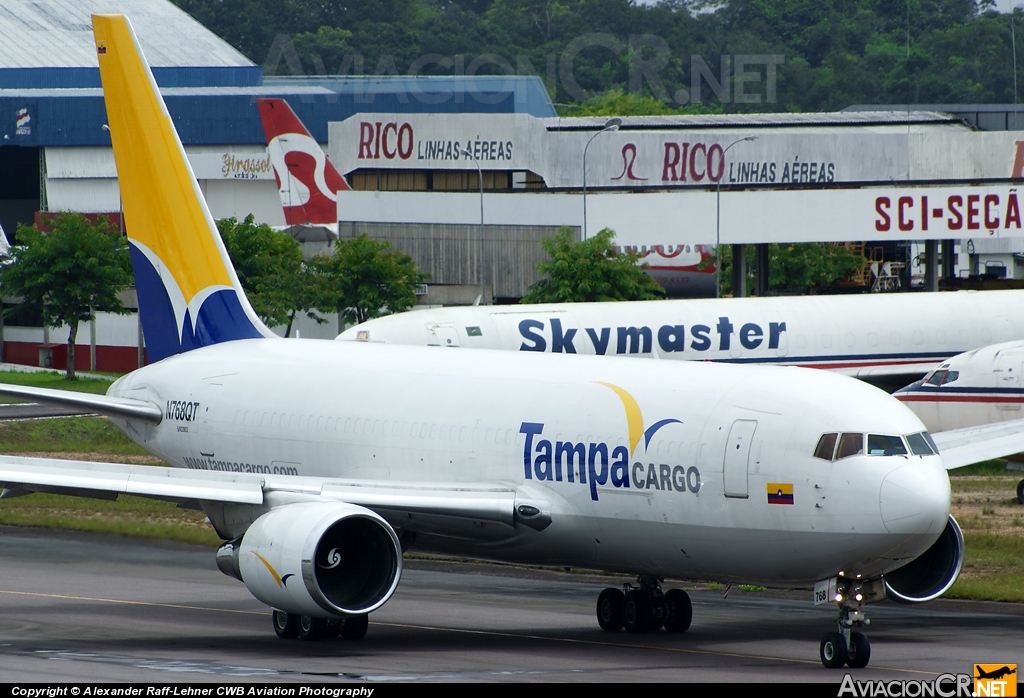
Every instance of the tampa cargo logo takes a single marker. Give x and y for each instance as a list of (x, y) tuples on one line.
[(589, 463)]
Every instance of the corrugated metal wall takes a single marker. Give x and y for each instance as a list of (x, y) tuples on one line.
[(83, 195), (74, 163), (240, 197), (451, 252)]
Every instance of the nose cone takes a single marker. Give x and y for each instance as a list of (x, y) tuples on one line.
[(905, 390), (914, 499)]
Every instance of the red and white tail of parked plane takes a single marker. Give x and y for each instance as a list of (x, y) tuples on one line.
[(306, 179)]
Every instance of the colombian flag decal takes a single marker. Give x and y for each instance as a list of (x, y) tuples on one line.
[(780, 493)]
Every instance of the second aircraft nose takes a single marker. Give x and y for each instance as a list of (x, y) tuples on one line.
[(914, 499)]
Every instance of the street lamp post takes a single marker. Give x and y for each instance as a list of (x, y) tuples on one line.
[(611, 125), (718, 217), (483, 261)]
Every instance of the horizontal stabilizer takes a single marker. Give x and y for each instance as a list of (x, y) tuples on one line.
[(109, 406), (960, 447)]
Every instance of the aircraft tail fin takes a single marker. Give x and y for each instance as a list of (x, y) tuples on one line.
[(306, 179), (189, 294)]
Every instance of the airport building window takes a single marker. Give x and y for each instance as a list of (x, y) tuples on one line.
[(885, 445), (826, 446), (850, 445)]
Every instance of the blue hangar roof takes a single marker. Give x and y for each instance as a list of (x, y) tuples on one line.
[(228, 115), (50, 96)]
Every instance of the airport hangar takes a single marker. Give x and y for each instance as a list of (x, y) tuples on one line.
[(55, 154), (860, 175), (881, 177)]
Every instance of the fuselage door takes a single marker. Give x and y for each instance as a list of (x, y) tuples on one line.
[(737, 457), (1008, 381), (204, 435), (446, 336)]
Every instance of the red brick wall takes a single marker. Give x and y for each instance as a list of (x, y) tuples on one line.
[(108, 358)]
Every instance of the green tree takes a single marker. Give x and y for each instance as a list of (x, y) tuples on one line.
[(366, 279), (810, 265), (269, 265), (805, 266), (837, 52), (68, 273), (590, 270)]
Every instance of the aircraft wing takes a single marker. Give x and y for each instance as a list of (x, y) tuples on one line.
[(110, 406), (469, 502), (892, 371), (960, 447)]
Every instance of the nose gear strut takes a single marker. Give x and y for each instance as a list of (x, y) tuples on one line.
[(849, 646)]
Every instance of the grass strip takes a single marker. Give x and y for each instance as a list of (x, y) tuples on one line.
[(128, 515), (54, 380), (66, 435)]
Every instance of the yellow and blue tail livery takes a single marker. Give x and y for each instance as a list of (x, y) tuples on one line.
[(189, 294)]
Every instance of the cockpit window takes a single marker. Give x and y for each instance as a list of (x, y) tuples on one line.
[(941, 377), (930, 440), (850, 445), (919, 445), (826, 446), (885, 445)]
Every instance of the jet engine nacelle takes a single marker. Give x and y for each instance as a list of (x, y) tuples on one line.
[(317, 559), (931, 574)]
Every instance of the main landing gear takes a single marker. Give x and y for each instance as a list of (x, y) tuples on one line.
[(289, 626), (644, 608), (848, 647), (1020, 491)]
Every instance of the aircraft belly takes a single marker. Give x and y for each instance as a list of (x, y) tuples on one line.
[(684, 552)]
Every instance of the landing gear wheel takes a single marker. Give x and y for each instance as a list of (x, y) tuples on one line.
[(1020, 491), (659, 614), (312, 628), (833, 650), (354, 627), (286, 625), (679, 611), (609, 609), (859, 651), (636, 612)]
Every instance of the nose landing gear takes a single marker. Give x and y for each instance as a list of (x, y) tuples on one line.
[(848, 646), (644, 608)]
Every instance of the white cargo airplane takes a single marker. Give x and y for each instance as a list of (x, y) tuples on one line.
[(320, 462), (972, 389), (885, 339)]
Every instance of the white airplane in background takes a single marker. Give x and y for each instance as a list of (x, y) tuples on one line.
[(885, 339), (306, 180), (319, 462), (972, 389)]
